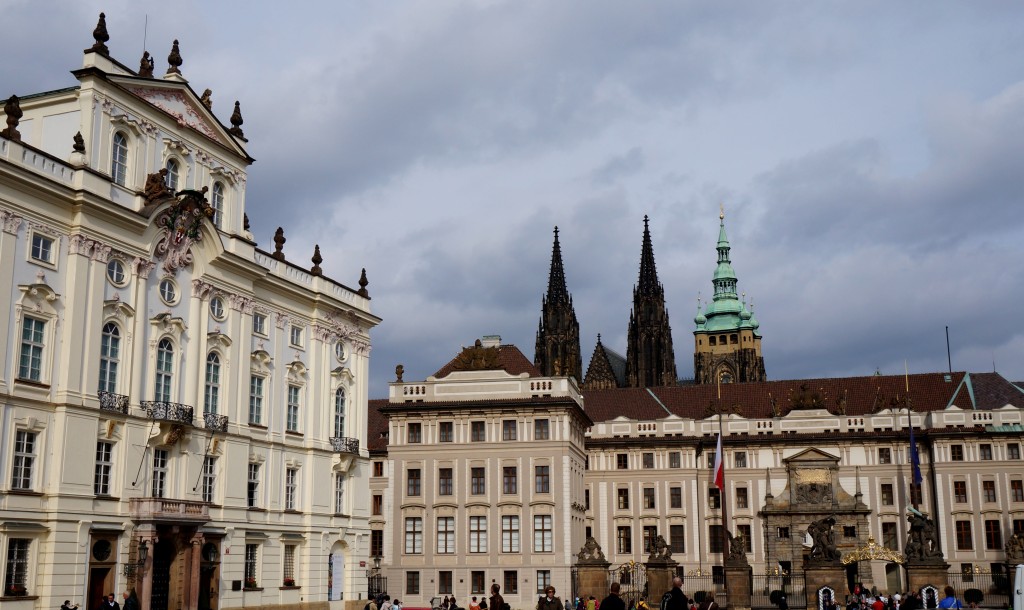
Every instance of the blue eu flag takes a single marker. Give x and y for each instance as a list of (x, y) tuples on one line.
[(915, 458)]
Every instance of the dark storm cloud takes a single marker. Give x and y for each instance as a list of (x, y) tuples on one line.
[(868, 155)]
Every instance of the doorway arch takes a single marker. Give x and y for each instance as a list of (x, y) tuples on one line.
[(336, 572)]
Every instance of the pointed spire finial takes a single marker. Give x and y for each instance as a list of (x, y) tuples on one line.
[(721, 212), (363, 283), (101, 37), (557, 290), (146, 65), (598, 337), (279, 244), (236, 123), (317, 259), (174, 60)]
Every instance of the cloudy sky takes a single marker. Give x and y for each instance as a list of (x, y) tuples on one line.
[(870, 156)]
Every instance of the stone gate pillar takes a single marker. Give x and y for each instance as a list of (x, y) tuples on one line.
[(925, 563), (739, 577), (661, 568), (592, 570)]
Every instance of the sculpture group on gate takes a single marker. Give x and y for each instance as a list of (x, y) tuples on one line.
[(923, 540), (823, 540)]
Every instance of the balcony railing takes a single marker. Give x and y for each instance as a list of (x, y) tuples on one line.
[(168, 411), (215, 423), (161, 509), (344, 444), (113, 402)]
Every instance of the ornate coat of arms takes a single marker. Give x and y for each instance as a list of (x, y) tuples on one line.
[(182, 221)]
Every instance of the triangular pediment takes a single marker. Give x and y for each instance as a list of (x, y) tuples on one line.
[(180, 102), (811, 455)]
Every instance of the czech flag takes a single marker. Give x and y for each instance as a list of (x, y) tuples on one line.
[(719, 465)]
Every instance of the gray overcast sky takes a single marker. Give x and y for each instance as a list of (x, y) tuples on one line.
[(870, 156)]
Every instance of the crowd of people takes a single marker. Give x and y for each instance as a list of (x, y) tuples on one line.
[(899, 601)]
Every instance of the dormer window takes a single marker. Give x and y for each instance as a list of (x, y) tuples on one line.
[(217, 203), (119, 159), (172, 174)]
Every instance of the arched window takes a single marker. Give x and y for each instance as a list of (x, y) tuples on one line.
[(339, 412), (217, 203), (712, 340), (164, 371), (725, 377), (110, 350), (211, 396), (119, 159), (172, 174)]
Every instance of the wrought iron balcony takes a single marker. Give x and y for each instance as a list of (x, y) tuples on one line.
[(344, 444), (215, 423), (168, 411), (162, 509), (113, 402)]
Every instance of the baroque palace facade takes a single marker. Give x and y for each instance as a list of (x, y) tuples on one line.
[(496, 470), (182, 413)]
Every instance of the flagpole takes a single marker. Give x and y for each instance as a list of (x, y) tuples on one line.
[(720, 458)]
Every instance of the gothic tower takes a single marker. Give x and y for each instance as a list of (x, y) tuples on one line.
[(650, 360), (558, 335), (727, 346)]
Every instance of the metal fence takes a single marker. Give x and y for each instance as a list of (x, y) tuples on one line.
[(791, 585), (984, 589), (699, 586)]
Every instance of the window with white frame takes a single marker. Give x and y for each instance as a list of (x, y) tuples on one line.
[(478, 534), (217, 203), (256, 399), (168, 291), (115, 272), (164, 371), (509, 534), (259, 324), (542, 537), (217, 308), (292, 416), (542, 479), (24, 460), (172, 174), (211, 392), (209, 478), (43, 249), (104, 464), (414, 535), (445, 535), (110, 357), (16, 577), (252, 495), (159, 473), (289, 565), (291, 484), (30, 363), (295, 336), (119, 159), (339, 412), (339, 493), (252, 556)]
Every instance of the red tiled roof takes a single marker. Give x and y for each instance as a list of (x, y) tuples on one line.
[(510, 360), (377, 426), (928, 392)]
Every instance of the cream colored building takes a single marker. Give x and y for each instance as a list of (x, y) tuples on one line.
[(181, 412), (484, 480), (647, 460)]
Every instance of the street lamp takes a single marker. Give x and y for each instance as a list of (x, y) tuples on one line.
[(129, 568)]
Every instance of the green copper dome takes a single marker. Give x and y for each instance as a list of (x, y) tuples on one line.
[(725, 312)]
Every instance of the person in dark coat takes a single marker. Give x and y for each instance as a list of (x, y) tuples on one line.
[(549, 601), (497, 602), (613, 601), (677, 599)]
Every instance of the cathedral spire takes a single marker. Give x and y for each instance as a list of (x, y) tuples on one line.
[(557, 291), (648, 284), (650, 359), (558, 333)]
